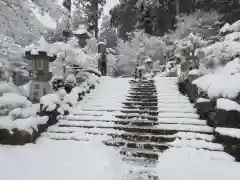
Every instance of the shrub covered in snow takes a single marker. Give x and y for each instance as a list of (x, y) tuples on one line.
[(131, 53), (70, 83), (10, 101), (227, 28), (57, 83), (50, 102), (214, 84), (22, 113), (27, 124), (7, 87)]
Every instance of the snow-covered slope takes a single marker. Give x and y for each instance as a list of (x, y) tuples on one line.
[(26, 20)]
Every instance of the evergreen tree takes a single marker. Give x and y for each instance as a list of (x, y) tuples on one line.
[(67, 4), (108, 33), (93, 10), (155, 17)]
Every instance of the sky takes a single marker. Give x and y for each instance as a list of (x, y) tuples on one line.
[(109, 5)]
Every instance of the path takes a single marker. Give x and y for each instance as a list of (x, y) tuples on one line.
[(142, 119), (141, 125)]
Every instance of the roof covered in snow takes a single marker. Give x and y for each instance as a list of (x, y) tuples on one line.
[(41, 49)]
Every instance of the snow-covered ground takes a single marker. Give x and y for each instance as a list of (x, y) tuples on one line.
[(70, 150)]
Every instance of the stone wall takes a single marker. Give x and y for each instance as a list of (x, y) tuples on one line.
[(215, 117)]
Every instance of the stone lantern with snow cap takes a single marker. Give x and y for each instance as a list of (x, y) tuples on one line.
[(40, 56), (82, 34)]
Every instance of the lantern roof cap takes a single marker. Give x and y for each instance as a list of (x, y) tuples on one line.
[(40, 50), (81, 30)]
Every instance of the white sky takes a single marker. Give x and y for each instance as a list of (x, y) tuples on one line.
[(109, 5)]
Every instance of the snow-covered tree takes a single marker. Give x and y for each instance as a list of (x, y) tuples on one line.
[(92, 10), (197, 22), (108, 33), (141, 46), (26, 21)]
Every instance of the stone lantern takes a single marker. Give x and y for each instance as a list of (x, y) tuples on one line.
[(40, 61), (102, 47), (82, 34)]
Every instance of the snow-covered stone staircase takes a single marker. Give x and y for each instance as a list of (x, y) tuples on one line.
[(141, 118)]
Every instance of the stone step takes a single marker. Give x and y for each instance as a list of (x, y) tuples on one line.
[(139, 152), (153, 108), (137, 88), (139, 137), (147, 120), (141, 103), (142, 90), (121, 122), (197, 144), (141, 100), (141, 162), (82, 115), (156, 138), (142, 93), (163, 129), (142, 96)]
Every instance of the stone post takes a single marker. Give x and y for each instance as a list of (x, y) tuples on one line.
[(40, 75)]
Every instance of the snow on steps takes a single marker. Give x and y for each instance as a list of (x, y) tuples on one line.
[(143, 128), (135, 120)]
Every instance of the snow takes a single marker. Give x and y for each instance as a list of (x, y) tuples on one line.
[(235, 36), (71, 78), (185, 127), (212, 83), (72, 97), (45, 19), (194, 72), (81, 30), (60, 160), (177, 115), (235, 27), (231, 132), (200, 165), (199, 144), (228, 105), (27, 124), (221, 51), (72, 55), (116, 90), (13, 100), (189, 164), (50, 101), (7, 87), (200, 100), (192, 135), (182, 121), (40, 46), (225, 28)]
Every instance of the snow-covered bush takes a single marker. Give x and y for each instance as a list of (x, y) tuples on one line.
[(25, 21), (7, 87), (227, 28), (196, 22), (135, 51), (235, 36), (26, 124), (57, 83), (10, 101), (50, 102), (70, 83), (219, 53), (213, 83), (22, 113)]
